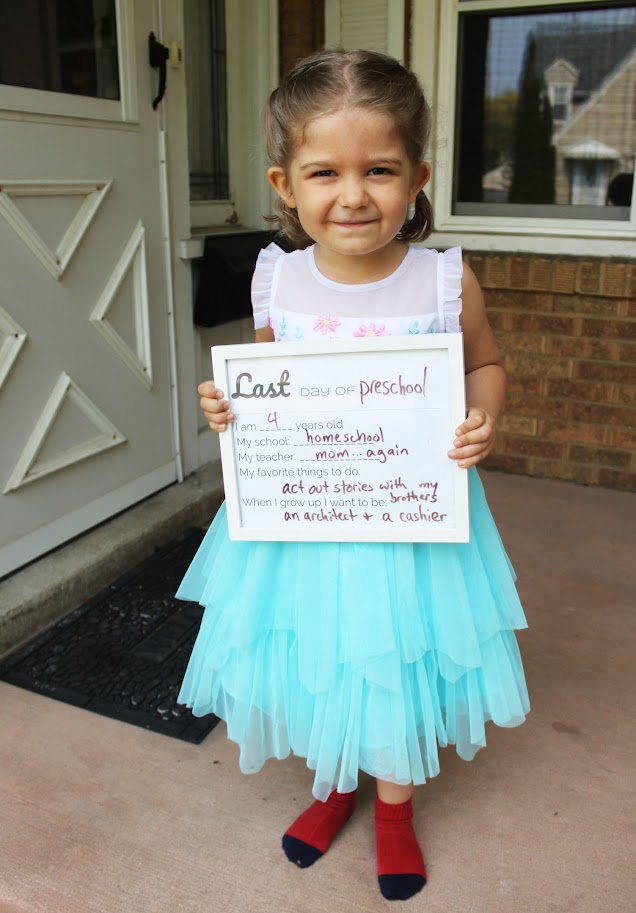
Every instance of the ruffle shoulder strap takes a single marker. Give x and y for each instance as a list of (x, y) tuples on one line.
[(263, 283), (450, 289)]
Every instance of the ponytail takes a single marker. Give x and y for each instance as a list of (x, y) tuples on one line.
[(420, 226)]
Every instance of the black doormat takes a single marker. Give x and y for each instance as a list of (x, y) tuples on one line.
[(123, 654)]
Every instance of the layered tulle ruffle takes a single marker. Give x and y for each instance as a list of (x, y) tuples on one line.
[(356, 656)]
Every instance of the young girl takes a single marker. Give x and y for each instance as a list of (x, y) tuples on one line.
[(360, 656)]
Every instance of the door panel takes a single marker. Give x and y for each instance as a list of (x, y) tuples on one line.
[(85, 415)]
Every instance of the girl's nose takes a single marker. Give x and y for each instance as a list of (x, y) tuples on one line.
[(353, 193)]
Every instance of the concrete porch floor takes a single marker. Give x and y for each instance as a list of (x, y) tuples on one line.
[(101, 817)]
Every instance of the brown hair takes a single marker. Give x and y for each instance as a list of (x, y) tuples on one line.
[(328, 81)]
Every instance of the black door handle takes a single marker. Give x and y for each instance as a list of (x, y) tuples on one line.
[(157, 56)]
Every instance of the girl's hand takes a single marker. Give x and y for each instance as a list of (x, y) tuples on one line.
[(215, 408), (475, 438)]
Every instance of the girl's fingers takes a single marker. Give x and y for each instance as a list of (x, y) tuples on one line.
[(219, 420), (215, 408), (473, 453), (474, 439), (208, 390)]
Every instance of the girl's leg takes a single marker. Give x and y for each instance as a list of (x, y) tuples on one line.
[(311, 833), (401, 871)]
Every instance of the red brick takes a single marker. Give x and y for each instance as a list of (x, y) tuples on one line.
[(589, 277), (529, 446), (627, 352), (546, 323), (604, 329), (533, 385), (630, 280), (583, 304), (478, 266), (517, 424), (625, 396), (603, 370), (541, 273), (614, 279), (571, 431), (517, 300), (603, 415), (580, 347), (522, 342), (611, 459), (500, 320), (507, 463), (582, 390), (498, 272), (520, 272), (611, 479), (527, 404), (619, 437), (569, 472), (537, 365), (565, 276)]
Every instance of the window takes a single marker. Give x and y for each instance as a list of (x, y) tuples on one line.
[(206, 79), (471, 56), (545, 110), (77, 56)]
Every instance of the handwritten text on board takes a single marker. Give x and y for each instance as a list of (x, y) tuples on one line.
[(344, 442)]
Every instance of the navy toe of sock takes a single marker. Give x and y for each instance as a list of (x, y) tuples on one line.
[(400, 887), (300, 853)]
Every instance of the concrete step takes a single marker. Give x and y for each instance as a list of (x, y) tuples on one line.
[(45, 590)]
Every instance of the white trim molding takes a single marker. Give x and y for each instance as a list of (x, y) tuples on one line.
[(28, 469), (55, 261), (14, 339), (134, 254)]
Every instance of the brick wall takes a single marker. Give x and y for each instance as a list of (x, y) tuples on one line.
[(567, 331)]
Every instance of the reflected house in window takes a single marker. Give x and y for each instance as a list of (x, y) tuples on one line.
[(546, 112), (596, 142), (590, 78)]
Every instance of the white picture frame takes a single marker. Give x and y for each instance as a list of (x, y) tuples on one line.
[(344, 440)]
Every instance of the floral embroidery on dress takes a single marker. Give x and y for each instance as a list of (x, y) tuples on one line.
[(370, 329), (414, 329), (282, 327), (431, 330), (325, 325), (299, 332)]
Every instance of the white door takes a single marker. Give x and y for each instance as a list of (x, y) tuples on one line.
[(85, 392)]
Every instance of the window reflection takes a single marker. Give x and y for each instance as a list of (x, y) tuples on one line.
[(60, 46), (547, 109), (206, 80)]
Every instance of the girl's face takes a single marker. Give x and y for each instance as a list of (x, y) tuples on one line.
[(350, 180)]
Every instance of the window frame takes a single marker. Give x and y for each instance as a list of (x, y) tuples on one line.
[(36, 104), (437, 67), (252, 73)]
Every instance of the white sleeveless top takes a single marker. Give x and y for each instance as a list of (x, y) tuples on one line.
[(291, 295)]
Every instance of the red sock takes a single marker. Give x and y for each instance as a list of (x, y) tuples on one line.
[(312, 832), (401, 871)]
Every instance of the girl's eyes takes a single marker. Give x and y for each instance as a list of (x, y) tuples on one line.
[(329, 173)]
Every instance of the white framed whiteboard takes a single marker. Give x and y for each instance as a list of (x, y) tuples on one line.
[(344, 440)]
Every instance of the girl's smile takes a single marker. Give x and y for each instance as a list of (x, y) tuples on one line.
[(351, 181)]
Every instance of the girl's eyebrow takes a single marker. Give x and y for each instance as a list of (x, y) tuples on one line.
[(388, 160)]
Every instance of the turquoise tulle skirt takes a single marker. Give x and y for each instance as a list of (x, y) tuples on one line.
[(356, 656)]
